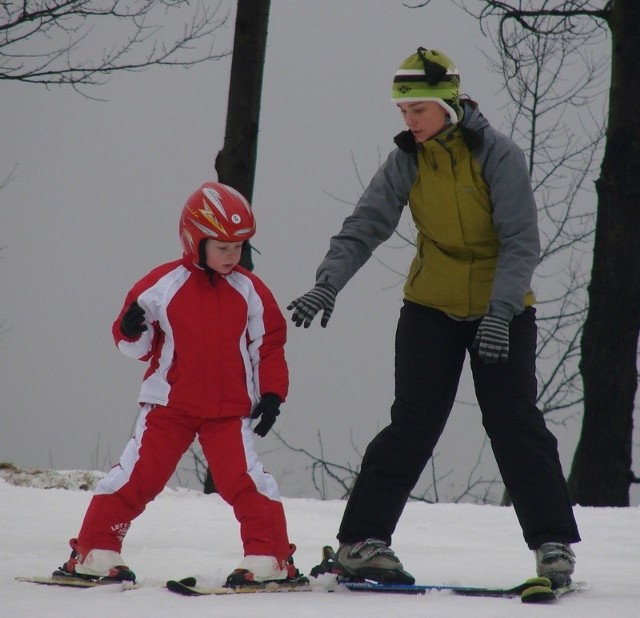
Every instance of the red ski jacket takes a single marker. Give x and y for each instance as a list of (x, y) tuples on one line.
[(214, 348)]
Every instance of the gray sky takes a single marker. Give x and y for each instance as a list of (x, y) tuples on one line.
[(95, 201)]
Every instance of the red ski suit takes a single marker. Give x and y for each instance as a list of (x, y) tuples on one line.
[(214, 347)]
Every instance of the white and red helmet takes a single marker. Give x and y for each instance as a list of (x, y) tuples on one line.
[(215, 211)]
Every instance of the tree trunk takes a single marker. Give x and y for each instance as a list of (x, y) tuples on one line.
[(601, 472), (236, 162)]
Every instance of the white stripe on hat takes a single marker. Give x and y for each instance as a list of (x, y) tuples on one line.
[(421, 72)]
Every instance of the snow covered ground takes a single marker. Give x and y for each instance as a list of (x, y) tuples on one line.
[(185, 532)]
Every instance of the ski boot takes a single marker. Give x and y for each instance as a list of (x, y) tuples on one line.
[(555, 561), (260, 570), (100, 565), (373, 560)]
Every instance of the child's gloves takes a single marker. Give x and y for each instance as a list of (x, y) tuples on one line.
[(323, 296), (492, 339), (268, 408), (132, 324)]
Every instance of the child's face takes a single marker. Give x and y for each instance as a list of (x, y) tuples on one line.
[(423, 118), (222, 256)]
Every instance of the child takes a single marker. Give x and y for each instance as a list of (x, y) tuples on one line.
[(214, 338)]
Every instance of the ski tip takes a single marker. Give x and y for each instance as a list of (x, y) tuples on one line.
[(77, 582), (532, 582), (538, 581), (181, 588), (328, 552), (538, 594), (546, 594)]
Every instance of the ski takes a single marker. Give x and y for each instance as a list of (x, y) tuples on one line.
[(371, 586), (533, 590), (189, 587), (76, 582), (539, 583), (543, 594)]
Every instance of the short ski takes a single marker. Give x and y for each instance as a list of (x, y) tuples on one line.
[(188, 587), (76, 582)]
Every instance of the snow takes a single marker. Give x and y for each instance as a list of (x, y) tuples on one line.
[(184, 532)]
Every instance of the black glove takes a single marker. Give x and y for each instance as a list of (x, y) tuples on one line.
[(323, 296), (492, 339), (268, 408), (132, 324)]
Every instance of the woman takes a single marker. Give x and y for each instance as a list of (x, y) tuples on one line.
[(468, 290)]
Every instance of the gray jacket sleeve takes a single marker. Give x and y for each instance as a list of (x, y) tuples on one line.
[(373, 221), (515, 218)]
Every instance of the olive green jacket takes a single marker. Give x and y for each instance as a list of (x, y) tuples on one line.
[(477, 239)]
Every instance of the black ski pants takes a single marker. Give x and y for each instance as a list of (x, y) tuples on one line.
[(430, 352)]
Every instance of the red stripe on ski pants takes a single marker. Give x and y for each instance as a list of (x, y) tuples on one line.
[(162, 436)]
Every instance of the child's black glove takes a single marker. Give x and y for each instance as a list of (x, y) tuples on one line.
[(268, 408), (132, 324)]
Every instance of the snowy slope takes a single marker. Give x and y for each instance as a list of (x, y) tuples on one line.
[(185, 533)]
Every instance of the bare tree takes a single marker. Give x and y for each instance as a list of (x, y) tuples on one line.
[(601, 474), (550, 83), (83, 42), (236, 162)]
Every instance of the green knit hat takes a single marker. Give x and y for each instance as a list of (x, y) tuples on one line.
[(428, 75)]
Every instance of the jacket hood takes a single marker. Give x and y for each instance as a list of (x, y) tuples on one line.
[(472, 118)]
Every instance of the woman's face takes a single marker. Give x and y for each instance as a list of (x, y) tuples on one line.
[(222, 257), (424, 119)]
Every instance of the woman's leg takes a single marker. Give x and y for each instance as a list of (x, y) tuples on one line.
[(525, 450)]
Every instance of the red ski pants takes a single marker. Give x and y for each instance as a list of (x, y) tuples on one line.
[(161, 437)]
